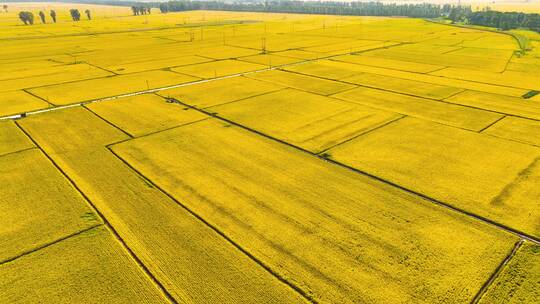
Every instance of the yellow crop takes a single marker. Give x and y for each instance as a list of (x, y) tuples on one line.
[(451, 165), (144, 114), (518, 129), (310, 121), (38, 205), (302, 82), (458, 116), (156, 64), (109, 86), (404, 86), (33, 78), (269, 59), (13, 102), (87, 268), (12, 139), (508, 78), (518, 282), (389, 63), (219, 68), (499, 103), (220, 91), (363, 66), (336, 234), (240, 157), (190, 258)]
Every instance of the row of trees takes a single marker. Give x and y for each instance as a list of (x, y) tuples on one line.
[(28, 17), (506, 20), (141, 10), (422, 10)]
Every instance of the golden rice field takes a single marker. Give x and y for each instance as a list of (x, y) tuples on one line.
[(236, 157)]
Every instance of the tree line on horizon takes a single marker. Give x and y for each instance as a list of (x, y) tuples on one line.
[(28, 17), (421, 10), (505, 20)]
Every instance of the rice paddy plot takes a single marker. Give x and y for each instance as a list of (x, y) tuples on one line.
[(499, 103), (14, 102), (426, 78), (219, 68), (81, 72), (449, 114), (220, 91), (143, 114), (37, 204), (483, 175), (79, 91), (89, 267), (326, 69), (298, 54), (12, 139), (191, 260), (416, 54), (404, 86), (518, 129), (485, 53), (278, 43), (156, 64), (307, 120), (518, 281), (48, 70), (270, 60), (10, 66), (357, 241), (389, 63), (348, 47), (302, 82), (225, 52), (494, 41), (508, 78)]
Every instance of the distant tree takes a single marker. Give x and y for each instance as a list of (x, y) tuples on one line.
[(75, 14), (87, 12), (26, 17), (5, 7), (163, 8), (148, 10), (140, 10), (53, 15), (42, 16)]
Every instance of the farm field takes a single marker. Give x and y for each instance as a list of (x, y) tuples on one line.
[(240, 157)]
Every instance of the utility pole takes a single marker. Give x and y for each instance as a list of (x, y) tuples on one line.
[(263, 45)]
